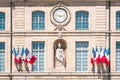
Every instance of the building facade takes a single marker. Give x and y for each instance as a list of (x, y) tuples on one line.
[(77, 25)]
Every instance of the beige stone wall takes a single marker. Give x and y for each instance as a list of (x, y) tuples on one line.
[(95, 35), (22, 17)]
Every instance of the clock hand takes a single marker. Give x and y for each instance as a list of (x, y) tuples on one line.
[(61, 15)]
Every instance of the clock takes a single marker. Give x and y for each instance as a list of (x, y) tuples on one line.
[(60, 15)]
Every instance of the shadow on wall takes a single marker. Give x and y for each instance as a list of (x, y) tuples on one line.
[(102, 70), (19, 67)]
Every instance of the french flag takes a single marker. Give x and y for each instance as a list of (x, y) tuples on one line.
[(102, 55), (93, 56), (17, 56), (30, 57), (97, 56), (24, 55), (107, 57)]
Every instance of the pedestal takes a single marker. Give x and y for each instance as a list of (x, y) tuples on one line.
[(59, 66)]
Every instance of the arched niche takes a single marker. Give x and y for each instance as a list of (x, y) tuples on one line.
[(63, 46)]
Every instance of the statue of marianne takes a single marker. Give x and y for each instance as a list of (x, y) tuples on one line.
[(60, 54)]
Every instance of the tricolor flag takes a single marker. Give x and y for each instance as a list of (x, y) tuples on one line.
[(97, 56), (24, 55), (93, 56), (29, 57), (107, 57), (17, 56), (102, 55)]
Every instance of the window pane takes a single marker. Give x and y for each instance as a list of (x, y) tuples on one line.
[(38, 51), (2, 57), (81, 56), (81, 20), (38, 22), (2, 21)]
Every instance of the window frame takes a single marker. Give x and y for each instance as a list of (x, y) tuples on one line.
[(117, 12), (80, 22), (39, 18), (38, 51), (3, 52), (4, 21), (81, 50), (117, 50)]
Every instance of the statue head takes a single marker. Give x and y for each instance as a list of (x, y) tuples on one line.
[(59, 45)]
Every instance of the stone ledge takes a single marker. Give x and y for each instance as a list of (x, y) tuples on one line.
[(58, 73)]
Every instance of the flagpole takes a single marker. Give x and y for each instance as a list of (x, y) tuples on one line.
[(109, 36), (11, 35), (109, 29)]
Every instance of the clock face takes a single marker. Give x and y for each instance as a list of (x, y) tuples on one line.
[(60, 15)]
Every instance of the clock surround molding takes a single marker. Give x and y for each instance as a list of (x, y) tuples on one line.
[(65, 22)]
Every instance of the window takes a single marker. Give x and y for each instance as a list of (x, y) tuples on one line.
[(117, 56), (81, 20), (38, 51), (2, 57), (2, 21), (118, 20), (38, 20), (81, 56)]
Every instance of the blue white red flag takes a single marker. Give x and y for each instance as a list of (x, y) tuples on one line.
[(29, 57), (93, 56), (17, 56), (24, 55), (97, 56), (102, 55), (107, 57)]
